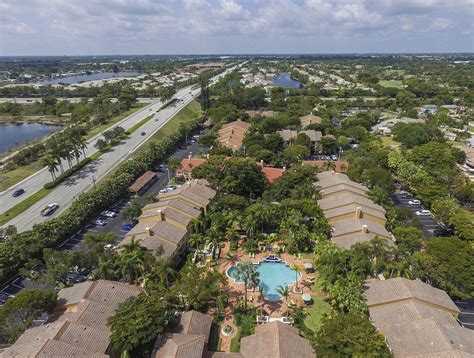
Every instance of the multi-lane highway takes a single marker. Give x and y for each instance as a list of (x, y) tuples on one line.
[(65, 193)]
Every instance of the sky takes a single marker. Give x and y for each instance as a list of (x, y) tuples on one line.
[(126, 27)]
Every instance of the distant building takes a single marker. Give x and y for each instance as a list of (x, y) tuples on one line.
[(309, 119), (417, 319), (290, 135), (140, 185), (267, 114), (232, 134), (429, 109), (79, 326)]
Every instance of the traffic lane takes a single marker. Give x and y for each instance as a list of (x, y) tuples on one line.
[(36, 181), (84, 180)]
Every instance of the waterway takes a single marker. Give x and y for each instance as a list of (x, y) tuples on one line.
[(284, 80), (14, 134), (91, 77)]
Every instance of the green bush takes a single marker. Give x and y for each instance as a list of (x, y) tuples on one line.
[(19, 249), (59, 179)]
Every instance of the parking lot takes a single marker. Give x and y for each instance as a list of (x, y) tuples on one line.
[(76, 242), (430, 226), (466, 317)]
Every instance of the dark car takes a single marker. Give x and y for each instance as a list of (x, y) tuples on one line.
[(18, 192), (143, 133)]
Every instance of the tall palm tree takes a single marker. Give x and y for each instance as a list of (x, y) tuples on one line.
[(283, 291), (165, 270), (52, 165), (247, 273), (379, 250), (261, 297), (401, 269), (297, 272), (195, 240)]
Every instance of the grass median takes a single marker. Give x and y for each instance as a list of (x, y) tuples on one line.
[(191, 110), (23, 205)]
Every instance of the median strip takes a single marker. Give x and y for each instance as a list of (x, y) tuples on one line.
[(23, 205)]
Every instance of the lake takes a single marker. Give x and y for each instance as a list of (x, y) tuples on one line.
[(15, 134), (284, 80), (91, 77)]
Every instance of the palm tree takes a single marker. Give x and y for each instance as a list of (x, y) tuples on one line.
[(195, 240), (261, 297), (283, 291), (400, 269), (197, 224), (165, 270), (52, 165), (297, 271), (379, 249), (247, 273), (131, 261)]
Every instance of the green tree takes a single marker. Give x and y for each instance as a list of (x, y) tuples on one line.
[(132, 212), (284, 292), (346, 295), (349, 335), (19, 312), (247, 273)]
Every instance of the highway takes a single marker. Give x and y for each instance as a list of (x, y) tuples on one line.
[(65, 193)]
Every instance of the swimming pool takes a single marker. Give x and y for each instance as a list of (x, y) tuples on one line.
[(272, 275)]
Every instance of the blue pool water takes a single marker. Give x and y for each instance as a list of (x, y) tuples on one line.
[(272, 275)]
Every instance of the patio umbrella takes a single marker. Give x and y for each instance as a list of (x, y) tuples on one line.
[(308, 265), (306, 297)]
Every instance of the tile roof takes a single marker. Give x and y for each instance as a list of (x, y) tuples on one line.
[(142, 181), (189, 337), (287, 134), (417, 319), (194, 322), (314, 136), (80, 327), (342, 188), (187, 165), (232, 134), (177, 345), (357, 210), (329, 179), (350, 226), (310, 119), (342, 199), (276, 339)]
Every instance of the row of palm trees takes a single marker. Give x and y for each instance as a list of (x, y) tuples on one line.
[(67, 145)]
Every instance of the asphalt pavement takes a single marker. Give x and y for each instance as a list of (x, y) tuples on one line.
[(65, 193), (428, 223)]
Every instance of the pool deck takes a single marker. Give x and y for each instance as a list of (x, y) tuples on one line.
[(272, 309)]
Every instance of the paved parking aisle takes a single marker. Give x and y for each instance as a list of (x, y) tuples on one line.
[(430, 226)]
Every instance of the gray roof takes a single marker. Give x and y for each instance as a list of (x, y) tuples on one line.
[(350, 226), (276, 339), (81, 330), (178, 345), (194, 322), (287, 134), (342, 188), (418, 320), (343, 199), (352, 209), (329, 179), (314, 136)]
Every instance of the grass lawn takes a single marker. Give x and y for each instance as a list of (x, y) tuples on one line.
[(193, 109), (139, 124), (391, 83), (23, 205), (7, 179), (103, 127), (316, 313), (390, 142)]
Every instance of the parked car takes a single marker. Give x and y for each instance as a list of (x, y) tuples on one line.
[(334, 157), (171, 188), (423, 212), (405, 193), (414, 202), (49, 209), (127, 227), (163, 191), (110, 247), (108, 214), (161, 168), (18, 192), (100, 222)]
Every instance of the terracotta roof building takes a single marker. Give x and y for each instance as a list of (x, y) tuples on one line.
[(79, 326), (163, 227), (232, 134), (143, 183), (354, 217), (188, 340), (276, 339), (417, 319)]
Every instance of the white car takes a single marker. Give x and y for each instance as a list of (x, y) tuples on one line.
[(405, 193), (423, 212), (110, 247), (108, 214), (163, 191), (414, 202), (100, 222)]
